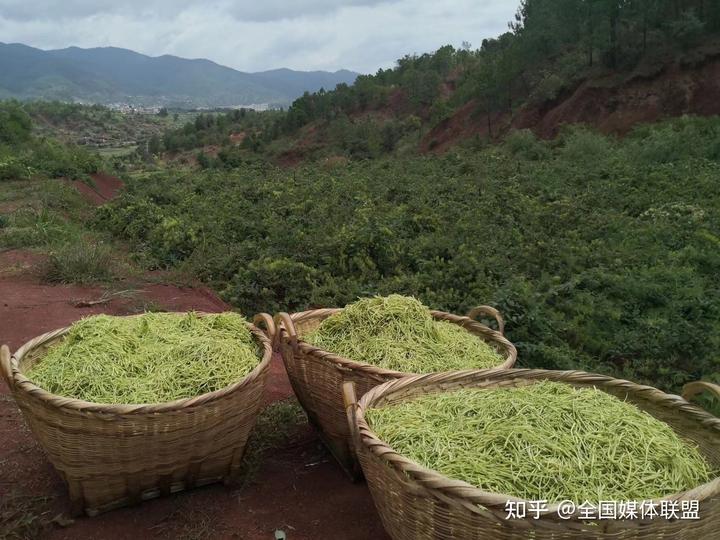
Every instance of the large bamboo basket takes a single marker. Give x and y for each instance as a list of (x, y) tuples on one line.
[(317, 376), (416, 503), (116, 455)]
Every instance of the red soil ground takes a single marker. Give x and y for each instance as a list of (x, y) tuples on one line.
[(617, 106), (104, 188), (299, 488), (309, 138), (465, 123)]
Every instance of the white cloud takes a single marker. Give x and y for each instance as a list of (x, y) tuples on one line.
[(307, 34)]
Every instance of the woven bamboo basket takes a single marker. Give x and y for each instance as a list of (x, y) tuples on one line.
[(416, 503), (117, 455), (317, 376)]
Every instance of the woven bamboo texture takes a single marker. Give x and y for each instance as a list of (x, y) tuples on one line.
[(317, 376), (419, 504), (117, 455)]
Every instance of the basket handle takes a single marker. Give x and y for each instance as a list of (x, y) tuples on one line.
[(690, 390), (5, 369), (270, 331), (285, 319), (488, 311), (351, 405)]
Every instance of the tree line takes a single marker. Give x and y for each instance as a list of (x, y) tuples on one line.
[(550, 45)]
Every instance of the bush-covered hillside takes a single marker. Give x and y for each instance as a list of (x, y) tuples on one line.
[(23, 155), (603, 254)]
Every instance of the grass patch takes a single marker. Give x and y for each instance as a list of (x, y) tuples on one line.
[(28, 227), (18, 190), (40, 214), (80, 262)]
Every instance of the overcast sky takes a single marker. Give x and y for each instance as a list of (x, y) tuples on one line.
[(362, 35)]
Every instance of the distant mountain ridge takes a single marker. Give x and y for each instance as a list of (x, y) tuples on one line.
[(112, 75)]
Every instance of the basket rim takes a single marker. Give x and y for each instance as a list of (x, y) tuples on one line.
[(382, 373), (20, 383), (470, 496)]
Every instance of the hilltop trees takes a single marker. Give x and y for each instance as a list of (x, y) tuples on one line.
[(550, 45), (612, 29)]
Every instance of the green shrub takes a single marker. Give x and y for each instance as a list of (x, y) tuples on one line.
[(524, 144), (62, 161), (581, 145), (672, 141), (173, 240), (548, 88), (204, 161), (264, 281)]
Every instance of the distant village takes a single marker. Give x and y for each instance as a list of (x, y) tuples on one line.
[(128, 108)]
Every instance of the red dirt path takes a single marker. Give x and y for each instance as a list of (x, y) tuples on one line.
[(298, 489)]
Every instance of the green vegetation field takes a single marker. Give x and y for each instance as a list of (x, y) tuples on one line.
[(603, 254)]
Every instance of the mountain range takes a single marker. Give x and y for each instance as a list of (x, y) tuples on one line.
[(109, 75)]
